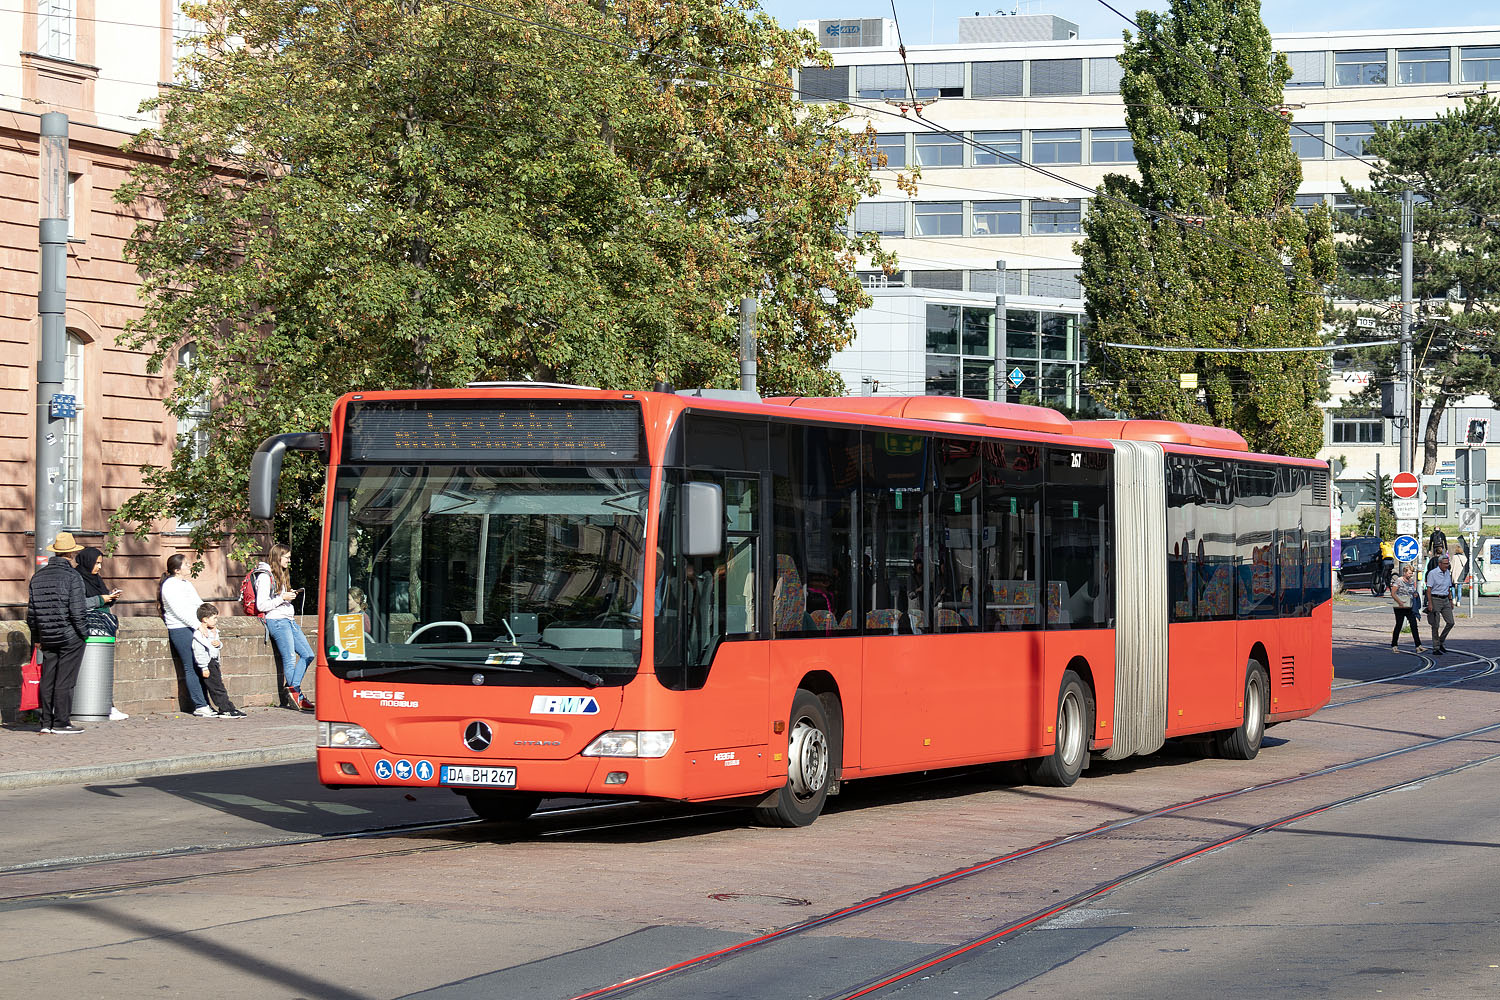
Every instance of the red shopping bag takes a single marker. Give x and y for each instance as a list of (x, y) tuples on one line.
[(31, 681)]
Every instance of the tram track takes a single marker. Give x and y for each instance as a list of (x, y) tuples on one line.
[(906, 893)]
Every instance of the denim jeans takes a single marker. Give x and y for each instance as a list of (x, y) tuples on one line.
[(292, 648), (182, 648)]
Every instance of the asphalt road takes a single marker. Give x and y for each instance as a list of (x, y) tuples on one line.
[(1392, 893)]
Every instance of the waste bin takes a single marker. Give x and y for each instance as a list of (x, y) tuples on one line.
[(94, 694)]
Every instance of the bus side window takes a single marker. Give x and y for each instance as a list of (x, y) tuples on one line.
[(1079, 538), (897, 513), (1182, 500), (1010, 597), (815, 473)]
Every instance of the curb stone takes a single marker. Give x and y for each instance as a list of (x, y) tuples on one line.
[(159, 767)]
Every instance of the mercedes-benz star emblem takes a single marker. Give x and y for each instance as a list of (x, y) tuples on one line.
[(478, 736), (477, 678)]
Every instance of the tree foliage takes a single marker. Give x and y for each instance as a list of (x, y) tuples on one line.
[(415, 193), (1453, 166), (1222, 258)]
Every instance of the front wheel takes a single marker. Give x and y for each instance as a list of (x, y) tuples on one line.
[(1075, 724), (1243, 742), (810, 764), (503, 807)]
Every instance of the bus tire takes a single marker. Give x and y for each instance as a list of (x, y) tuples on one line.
[(1075, 724), (503, 807), (1243, 742), (810, 760)]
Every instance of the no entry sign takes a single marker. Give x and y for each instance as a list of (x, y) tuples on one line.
[(1405, 485)]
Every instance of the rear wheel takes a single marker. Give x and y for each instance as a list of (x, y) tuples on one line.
[(503, 807), (1075, 724), (1243, 742), (810, 763)]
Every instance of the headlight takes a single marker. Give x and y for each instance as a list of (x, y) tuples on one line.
[(632, 743), (344, 735)]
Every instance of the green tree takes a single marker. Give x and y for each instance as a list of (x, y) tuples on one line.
[(1222, 259), (1453, 165), (415, 193)]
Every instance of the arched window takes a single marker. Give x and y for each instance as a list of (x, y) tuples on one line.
[(192, 430), (71, 470)]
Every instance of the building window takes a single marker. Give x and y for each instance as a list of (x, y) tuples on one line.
[(1105, 74), (931, 80), (1056, 216), (71, 470), (70, 200), (1307, 202), (1344, 204), (997, 218), (948, 281), (880, 82), (1479, 63), (185, 33), (995, 79), (1111, 145), (961, 351), (987, 281), (879, 279), (1055, 283), (1058, 145), (1307, 69), (1422, 66), (1358, 430), (192, 430), (940, 218), (1365, 68), (936, 149), (54, 31), (893, 148), (823, 83), (1056, 76), (1437, 502), (1349, 138), (1004, 149), (1307, 141), (888, 218), (1492, 497)]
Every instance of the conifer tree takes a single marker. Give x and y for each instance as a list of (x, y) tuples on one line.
[(1221, 257)]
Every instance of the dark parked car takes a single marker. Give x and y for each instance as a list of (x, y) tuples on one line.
[(1365, 564)]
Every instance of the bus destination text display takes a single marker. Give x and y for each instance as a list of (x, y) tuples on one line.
[(536, 431)]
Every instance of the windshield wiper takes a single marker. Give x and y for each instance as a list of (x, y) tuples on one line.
[(566, 669)]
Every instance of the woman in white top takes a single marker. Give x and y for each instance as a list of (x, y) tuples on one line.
[(179, 610), (273, 599)]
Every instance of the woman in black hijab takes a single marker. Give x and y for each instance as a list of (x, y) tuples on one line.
[(97, 595)]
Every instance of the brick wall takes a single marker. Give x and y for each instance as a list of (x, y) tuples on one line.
[(146, 676)]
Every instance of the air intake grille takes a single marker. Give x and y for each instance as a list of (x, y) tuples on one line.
[(1288, 671), (1320, 488)]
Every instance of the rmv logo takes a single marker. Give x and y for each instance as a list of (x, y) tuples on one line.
[(554, 704)]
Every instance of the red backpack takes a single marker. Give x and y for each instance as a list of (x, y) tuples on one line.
[(247, 595)]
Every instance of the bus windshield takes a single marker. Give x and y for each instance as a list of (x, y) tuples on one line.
[(487, 574)]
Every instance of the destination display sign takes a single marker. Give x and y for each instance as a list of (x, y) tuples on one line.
[(503, 431)]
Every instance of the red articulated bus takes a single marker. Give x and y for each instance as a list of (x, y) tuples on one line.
[(540, 590)]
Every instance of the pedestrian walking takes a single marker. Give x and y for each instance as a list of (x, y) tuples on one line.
[(208, 651), (1459, 565), (179, 611), (97, 598), (1404, 593), (56, 615), (274, 595), (1439, 601)]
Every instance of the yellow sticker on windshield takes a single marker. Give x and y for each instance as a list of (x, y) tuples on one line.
[(351, 636)]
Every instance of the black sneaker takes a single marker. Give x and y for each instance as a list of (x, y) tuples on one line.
[(66, 729), (233, 713)]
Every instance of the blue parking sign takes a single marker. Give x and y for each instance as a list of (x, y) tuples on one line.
[(1408, 549)]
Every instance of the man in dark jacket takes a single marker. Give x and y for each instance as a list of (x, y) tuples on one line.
[(55, 614)]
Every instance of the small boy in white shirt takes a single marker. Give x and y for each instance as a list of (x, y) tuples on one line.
[(207, 647)]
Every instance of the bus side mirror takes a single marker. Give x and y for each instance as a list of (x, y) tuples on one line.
[(265, 468), (702, 519)]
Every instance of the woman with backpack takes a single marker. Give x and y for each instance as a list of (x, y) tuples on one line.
[(273, 602)]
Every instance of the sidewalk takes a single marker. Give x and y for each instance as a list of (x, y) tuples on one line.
[(151, 745)]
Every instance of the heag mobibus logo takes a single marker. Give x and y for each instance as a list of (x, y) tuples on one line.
[(564, 704), (387, 699)]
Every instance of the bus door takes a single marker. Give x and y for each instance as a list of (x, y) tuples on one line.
[(707, 614)]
